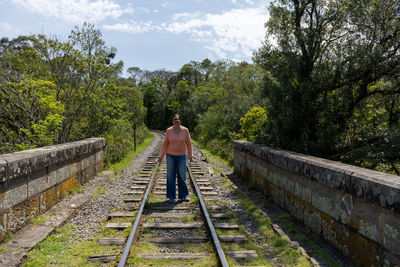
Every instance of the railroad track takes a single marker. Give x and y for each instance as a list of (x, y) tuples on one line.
[(182, 233)]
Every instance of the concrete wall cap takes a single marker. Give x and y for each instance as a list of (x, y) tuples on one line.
[(28, 161), (381, 188)]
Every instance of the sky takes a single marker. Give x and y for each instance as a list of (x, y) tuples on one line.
[(149, 34)]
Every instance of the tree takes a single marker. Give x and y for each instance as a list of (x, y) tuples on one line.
[(135, 110), (53, 92), (155, 98), (327, 58), (91, 68), (251, 123), (206, 67), (136, 74), (30, 115), (190, 73)]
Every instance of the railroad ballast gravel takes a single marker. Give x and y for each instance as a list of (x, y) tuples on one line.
[(89, 218)]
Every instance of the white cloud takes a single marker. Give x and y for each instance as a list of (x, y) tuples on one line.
[(5, 26), (11, 31), (249, 2), (236, 33), (241, 4), (75, 11), (143, 9), (131, 27), (232, 34)]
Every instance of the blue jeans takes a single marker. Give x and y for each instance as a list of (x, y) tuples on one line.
[(176, 167)]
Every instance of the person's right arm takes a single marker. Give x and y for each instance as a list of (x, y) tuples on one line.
[(164, 147)]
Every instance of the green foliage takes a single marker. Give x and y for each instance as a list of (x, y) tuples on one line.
[(179, 96), (31, 115), (252, 122), (40, 219), (54, 92), (155, 98), (77, 190), (120, 165), (119, 140), (210, 97), (329, 92)]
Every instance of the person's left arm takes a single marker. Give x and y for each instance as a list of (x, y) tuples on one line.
[(189, 145)]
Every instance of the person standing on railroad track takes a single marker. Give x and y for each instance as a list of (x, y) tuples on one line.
[(176, 143)]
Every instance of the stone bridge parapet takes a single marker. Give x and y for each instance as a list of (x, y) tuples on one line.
[(354, 209), (32, 181)]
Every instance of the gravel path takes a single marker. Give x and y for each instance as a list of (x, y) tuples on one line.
[(89, 218)]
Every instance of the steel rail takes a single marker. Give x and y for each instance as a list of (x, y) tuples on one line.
[(135, 228), (217, 244)]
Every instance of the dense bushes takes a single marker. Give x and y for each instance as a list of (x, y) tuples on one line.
[(332, 93), (55, 92), (211, 98), (273, 104), (119, 141), (31, 115)]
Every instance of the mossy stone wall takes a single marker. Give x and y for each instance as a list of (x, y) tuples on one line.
[(32, 181), (354, 209)]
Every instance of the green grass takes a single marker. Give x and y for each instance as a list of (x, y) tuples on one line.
[(119, 166), (210, 157), (160, 200), (63, 248), (77, 190), (195, 248), (217, 170), (194, 200), (317, 251), (99, 191), (40, 219), (8, 237), (227, 232), (2, 249), (214, 158), (156, 200), (280, 245), (188, 218)]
